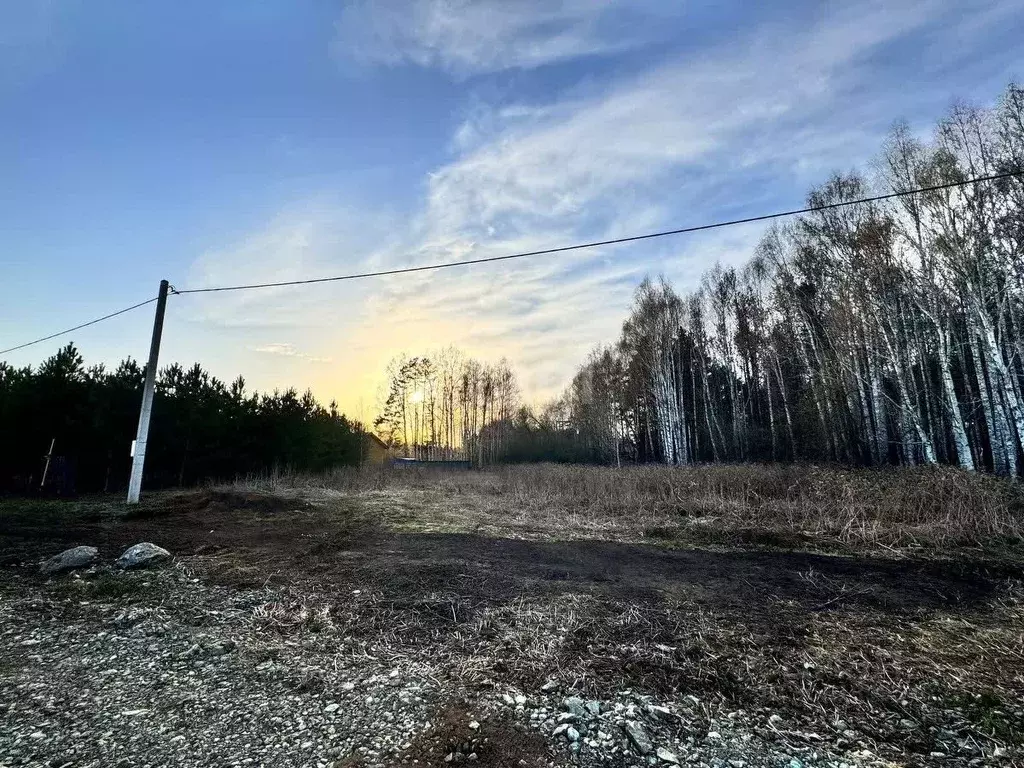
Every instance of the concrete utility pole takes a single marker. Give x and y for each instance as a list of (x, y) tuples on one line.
[(148, 386)]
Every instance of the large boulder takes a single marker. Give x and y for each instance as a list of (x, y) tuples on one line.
[(143, 555), (69, 559)]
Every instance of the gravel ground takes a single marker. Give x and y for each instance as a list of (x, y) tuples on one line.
[(293, 631), (155, 668)]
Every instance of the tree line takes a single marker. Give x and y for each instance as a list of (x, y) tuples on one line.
[(202, 428), (880, 333)]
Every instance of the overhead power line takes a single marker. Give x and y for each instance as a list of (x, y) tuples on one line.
[(562, 249), (615, 241), (78, 327)]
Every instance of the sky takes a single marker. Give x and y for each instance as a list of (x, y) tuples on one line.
[(238, 141)]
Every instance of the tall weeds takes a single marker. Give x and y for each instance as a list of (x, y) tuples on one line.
[(895, 507)]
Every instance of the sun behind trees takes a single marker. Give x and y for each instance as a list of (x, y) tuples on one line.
[(448, 406)]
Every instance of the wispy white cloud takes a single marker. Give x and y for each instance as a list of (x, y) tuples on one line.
[(473, 36), (286, 349), (690, 139)]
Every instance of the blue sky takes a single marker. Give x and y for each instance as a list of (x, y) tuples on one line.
[(223, 142)]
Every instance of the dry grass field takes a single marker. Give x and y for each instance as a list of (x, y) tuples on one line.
[(935, 509), (738, 615)]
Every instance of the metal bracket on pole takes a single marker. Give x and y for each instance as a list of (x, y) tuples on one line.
[(148, 387), (46, 469)]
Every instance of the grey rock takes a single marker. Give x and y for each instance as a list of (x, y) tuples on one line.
[(221, 648), (549, 686), (574, 704), (594, 707), (69, 559), (567, 717), (572, 734), (143, 555), (667, 757), (638, 736)]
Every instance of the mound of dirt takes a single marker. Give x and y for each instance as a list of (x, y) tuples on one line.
[(457, 737)]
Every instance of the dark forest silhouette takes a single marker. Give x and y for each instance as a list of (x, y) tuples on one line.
[(202, 428)]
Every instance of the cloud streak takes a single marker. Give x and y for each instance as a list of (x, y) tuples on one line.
[(286, 349), (719, 132), (467, 37)]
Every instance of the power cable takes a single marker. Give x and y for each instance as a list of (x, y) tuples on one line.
[(562, 249), (77, 327), (616, 241)]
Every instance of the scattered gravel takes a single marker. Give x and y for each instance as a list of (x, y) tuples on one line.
[(153, 667), (189, 679)]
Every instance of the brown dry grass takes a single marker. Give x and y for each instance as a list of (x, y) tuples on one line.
[(761, 505)]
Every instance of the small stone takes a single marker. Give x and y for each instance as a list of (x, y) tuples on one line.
[(667, 757), (549, 686), (572, 734), (658, 711), (714, 735), (775, 719), (575, 705), (520, 699), (221, 648), (794, 763), (559, 730), (332, 707), (143, 555), (474, 725), (567, 717), (69, 559), (637, 735), (593, 707), (737, 763)]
